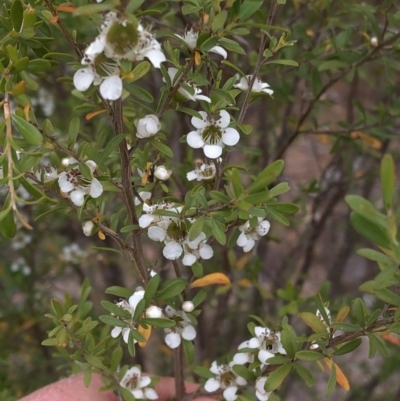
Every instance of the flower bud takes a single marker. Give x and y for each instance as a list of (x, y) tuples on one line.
[(154, 312), (374, 41), (188, 306), (161, 173), (147, 126), (88, 228)]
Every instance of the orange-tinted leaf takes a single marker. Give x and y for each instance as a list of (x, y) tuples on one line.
[(323, 138), (244, 282), (368, 139), (206, 18), (66, 9), (54, 20), (242, 262), (211, 279), (197, 57), (89, 116), (341, 378), (166, 350), (343, 312), (26, 112), (146, 334), (392, 338), (101, 235)]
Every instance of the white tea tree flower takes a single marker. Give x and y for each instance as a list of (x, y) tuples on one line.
[(154, 311), (212, 135), (183, 328), (202, 171), (190, 38), (147, 126), (249, 235), (258, 85), (318, 313), (46, 174), (101, 70), (261, 394), (77, 186), (87, 228), (225, 379), (192, 92), (242, 357), (267, 342), (161, 173), (148, 218), (128, 306), (138, 385), (198, 248), (126, 39)]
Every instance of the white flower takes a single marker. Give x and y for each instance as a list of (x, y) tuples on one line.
[(129, 307), (258, 85), (183, 328), (212, 135), (161, 173), (261, 394), (225, 379), (188, 306), (203, 171), (46, 174), (190, 38), (144, 195), (102, 71), (249, 235), (242, 358), (154, 312), (198, 248), (267, 342), (318, 313), (148, 218), (138, 384), (125, 41), (72, 182), (147, 126), (87, 227), (194, 93)]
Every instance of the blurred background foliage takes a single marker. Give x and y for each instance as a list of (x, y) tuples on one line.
[(331, 120)]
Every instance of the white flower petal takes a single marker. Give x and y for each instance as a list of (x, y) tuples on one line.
[(195, 243), (211, 385), (191, 175), (241, 358), (136, 297), (64, 184), (219, 50), (96, 189), (230, 393), (200, 123), (189, 333), (77, 197), (263, 228), (111, 88), (138, 393), (263, 355), (154, 312), (156, 57), (144, 381), (262, 331), (125, 335), (156, 233), (203, 97), (145, 220), (230, 137), (254, 343), (243, 84), (83, 79), (241, 381), (194, 140), (242, 240), (173, 340), (189, 259), (225, 119), (96, 47), (115, 332), (206, 252), (212, 151), (150, 394), (249, 245), (172, 250)]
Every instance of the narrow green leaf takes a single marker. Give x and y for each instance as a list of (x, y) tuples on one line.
[(289, 340), (196, 228), (164, 149), (387, 180), (291, 63), (73, 130), (29, 132), (171, 288), (276, 378), (309, 356), (267, 176), (218, 230), (151, 288), (159, 322), (313, 321), (244, 372), (348, 347), (332, 381), (111, 146), (305, 374), (119, 291), (90, 9), (388, 296)]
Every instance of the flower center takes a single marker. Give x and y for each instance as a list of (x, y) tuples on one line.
[(122, 37), (212, 134), (177, 231), (132, 383), (105, 66)]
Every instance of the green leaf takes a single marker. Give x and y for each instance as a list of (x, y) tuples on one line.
[(332, 381), (248, 8), (141, 70), (218, 230), (244, 372), (29, 132), (203, 372), (94, 361), (305, 374), (289, 340), (309, 356), (283, 62), (126, 394), (348, 347), (284, 208), (377, 344), (164, 149), (374, 255), (119, 291), (387, 180), (278, 360), (115, 309), (73, 130), (112, 321), (159, 322), (8, 228), (313, 321), (50, 342), (87, 378), (16, 14), (388, 296), (279, 189), (367, 210), (196, 228), (116, 358), (332, 64), (151, 288), (267, 176), (349, 327), (219, 196), (276, 378), (89, 9), (111, 146), (188, 348), (359, 311), (219, 20), (171, 288)]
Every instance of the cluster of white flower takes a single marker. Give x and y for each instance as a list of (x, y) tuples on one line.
[(225, 379), (120, 38), (249, 235), (76, 186), (212, 135), (258, 85), (182, 329), (138, 385), (173, 231)]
